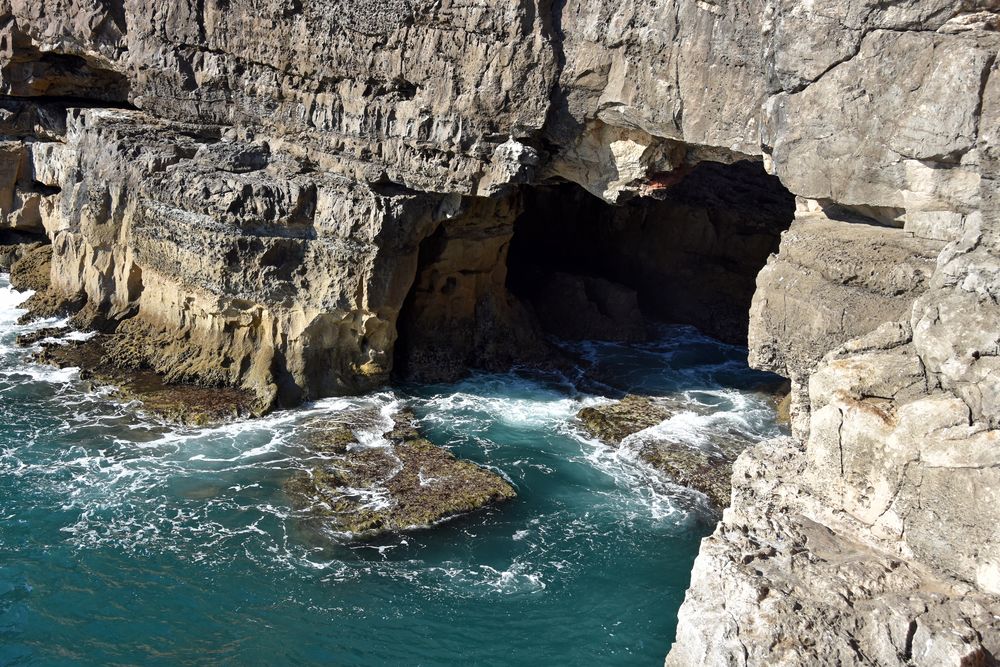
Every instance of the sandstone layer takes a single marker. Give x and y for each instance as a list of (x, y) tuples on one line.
[(296, 199)]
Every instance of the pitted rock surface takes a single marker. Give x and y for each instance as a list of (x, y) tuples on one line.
[(254, 194)]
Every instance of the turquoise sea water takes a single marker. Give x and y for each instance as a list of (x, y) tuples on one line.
[(126, 541)]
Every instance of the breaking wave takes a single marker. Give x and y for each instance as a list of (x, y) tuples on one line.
[(96, 497)]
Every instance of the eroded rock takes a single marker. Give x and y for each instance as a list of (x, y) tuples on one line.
[(627, 423), (282, 271), (405, 483), (196, 405), (775, 584)]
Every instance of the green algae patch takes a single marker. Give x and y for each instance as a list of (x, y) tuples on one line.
[(405, 484)]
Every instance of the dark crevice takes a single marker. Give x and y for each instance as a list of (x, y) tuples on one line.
[(560, 125), (30, 73), (458, 314), (44, 189), (21, 237), (492, 281), (405, 358), (911, 630)]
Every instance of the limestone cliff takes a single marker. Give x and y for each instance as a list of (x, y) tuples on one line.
[(266, 194)]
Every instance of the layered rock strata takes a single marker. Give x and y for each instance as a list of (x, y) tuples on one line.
[(249, 191)]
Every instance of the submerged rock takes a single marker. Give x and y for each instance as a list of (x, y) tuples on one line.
[(707, 471), (405, 483), (613, 422)]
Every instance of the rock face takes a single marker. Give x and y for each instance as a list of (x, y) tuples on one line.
[(458, 313), (785, 580), (295, 198)]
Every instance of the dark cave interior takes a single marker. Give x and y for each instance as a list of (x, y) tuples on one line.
[(690, 256), (553, 259)]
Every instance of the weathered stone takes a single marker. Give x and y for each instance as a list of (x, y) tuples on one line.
[(32, 270), (831, 281), (176, 402), (613, 422), (243, 191), (776, 585)]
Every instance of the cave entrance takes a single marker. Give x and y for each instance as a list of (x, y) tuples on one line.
[(690, 255), (554, 259)]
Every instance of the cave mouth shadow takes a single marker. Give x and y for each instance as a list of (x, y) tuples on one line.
[(495, 286), (689, 256)]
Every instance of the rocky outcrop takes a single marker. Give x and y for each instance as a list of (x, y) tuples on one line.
[(631, 424), (287, 198), (402, 483), (870, 537), (100, 365), (785, 580), (833, 280)]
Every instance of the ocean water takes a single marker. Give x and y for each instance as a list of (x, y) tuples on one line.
[(127, 541)]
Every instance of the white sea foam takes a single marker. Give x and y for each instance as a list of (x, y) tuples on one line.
[(214, 494), (511, 401)]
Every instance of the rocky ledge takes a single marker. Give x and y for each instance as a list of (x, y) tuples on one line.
[(400, 483), (99, 362), (109, 359)]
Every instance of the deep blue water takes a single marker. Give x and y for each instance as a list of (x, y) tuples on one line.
[(126, 541)]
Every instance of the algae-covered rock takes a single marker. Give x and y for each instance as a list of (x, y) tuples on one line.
[(707, 470), (14, 246), (406, 483), (182, 403), (30, 266), (613, 422), (32, 337)]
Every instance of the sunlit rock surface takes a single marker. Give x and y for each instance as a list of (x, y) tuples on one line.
[(251, 191)]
